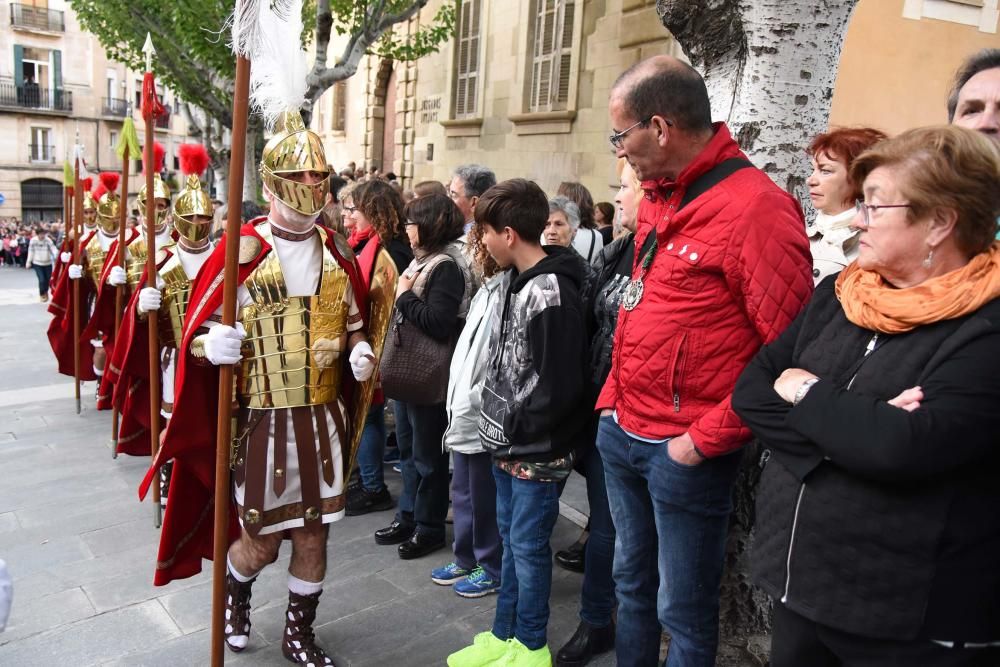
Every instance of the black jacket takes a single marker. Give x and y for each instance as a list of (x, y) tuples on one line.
[(534, 398), (870, 519)]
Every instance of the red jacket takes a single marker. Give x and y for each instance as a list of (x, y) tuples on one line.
[(733, 270)]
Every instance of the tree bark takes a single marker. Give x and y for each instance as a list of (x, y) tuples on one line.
[(770, 67)]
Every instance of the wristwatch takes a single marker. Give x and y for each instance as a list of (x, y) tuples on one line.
[(803, 390)]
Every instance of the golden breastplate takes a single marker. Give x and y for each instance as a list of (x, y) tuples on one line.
[(138, 251), (95, 258), (281, 369), (176, 296)]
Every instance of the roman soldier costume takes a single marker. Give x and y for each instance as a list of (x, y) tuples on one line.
[(301, 302)]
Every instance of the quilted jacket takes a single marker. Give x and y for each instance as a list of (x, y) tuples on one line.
[(732, 271)]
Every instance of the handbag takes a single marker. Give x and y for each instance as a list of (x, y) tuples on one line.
[(414, 367)]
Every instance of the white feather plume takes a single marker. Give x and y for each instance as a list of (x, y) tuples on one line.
[(269, 33)]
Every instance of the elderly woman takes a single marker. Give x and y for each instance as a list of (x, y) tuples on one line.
[(586, 239), (878, 511), (833, 240)]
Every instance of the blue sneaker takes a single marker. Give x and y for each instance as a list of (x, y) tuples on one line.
[(449, 574), (478, 584)]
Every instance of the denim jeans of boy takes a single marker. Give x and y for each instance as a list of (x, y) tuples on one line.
[(424, 466), (372, 448), (671, 522), (526, 514), (597, 599)]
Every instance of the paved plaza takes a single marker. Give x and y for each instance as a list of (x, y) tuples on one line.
[(81, 548)]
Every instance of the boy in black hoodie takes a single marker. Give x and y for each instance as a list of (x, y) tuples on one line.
[(533, 410)]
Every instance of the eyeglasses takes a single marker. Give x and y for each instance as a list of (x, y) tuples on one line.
[(618, 138), (866, 209), (410, 223), (349, 209)]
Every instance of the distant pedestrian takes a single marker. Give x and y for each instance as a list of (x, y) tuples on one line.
[(41, 257)]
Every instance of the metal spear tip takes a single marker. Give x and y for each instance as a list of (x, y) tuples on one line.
[(149, 51)]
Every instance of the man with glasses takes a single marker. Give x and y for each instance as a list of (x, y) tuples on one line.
[(722, 266), (468, 183)]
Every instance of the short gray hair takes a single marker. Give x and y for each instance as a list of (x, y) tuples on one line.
[(567, 207), (476, 178)]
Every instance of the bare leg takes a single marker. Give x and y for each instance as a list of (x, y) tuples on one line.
[(100, 357), (309, 553), (249, 555)]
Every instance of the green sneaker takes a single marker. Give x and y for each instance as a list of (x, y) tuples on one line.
[(519, 655), (486, 650)]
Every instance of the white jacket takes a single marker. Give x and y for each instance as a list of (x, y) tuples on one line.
[(468, 373)]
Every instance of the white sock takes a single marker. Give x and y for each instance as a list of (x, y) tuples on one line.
[(98, 371), (301, 587), (237, 575)]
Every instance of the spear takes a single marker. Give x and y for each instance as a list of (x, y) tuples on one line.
[(127, 146), (77, 249), (151, 108), (67, 205)]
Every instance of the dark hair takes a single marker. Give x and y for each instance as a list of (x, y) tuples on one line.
[(476, 178), (607, 209), (517, 203), (424, 188), (390, 176), (250, 210), (976, 63), (481, 256), (579, 195), (845, 145), (439, 222), (675, 91), (336, 185), (381, 204)]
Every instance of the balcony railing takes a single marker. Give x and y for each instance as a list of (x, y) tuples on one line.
[(32, 96), (42, 153), (37, 18), (163, 122), (115, 107)]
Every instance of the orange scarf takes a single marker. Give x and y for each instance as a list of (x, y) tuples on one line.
[(872, 303)]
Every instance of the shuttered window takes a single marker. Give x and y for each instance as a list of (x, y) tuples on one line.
[(552, 55), (340, 106), (466, 97)]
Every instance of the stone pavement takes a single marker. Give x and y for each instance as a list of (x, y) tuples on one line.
[(81, 548)]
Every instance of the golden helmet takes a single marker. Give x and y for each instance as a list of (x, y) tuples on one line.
[(160, 189), (192, 200), (109, 203), (89, 203), (293, 148)]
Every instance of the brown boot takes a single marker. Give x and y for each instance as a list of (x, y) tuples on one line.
[(299, 645), (237, 613)]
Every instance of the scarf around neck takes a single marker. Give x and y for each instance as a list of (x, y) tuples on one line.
[(357, 237), (872, 303)]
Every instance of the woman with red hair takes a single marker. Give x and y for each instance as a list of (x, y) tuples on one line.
[(832, 239)]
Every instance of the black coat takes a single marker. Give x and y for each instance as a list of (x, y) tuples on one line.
[(895, 515)]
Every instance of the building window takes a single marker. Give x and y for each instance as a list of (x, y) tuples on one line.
[(552, 55), (982, 14), (41, 149), (138, 94), (340, 106), (466, 96), (114, 139)]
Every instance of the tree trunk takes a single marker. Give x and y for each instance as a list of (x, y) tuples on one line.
[(251, 173), (769, 66)]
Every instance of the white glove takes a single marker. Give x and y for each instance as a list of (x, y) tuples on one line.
[(75, 271), (66, 257), (222, 344), (117, 276), (362, 361), (149, 299)]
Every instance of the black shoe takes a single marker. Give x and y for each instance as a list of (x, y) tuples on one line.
[(420, 545), (585, 643), (362, 501), (573, 557), (394, 533)]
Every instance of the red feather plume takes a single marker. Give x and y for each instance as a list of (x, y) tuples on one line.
[(110, 180), (70, 191), (159, 152), (99, 192), (87, 184), (193, 159)]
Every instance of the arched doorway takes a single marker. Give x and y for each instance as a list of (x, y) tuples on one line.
[(389, 126), (41, 200), (382, 129)]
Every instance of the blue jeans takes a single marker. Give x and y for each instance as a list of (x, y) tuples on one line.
[(597, 599), (671, 522), (371, 449), (526, 514)]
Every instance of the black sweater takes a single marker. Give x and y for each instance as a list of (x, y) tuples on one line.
[(437, 313), (896, 514)]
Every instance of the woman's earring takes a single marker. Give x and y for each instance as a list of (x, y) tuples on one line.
[(929, 259)]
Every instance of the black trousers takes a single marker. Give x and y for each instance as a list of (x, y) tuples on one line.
[(798, 642), (424, 466), (44, 274)]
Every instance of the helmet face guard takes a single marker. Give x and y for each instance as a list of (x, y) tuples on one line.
[(193, 201), (191, 230), (294, 149), (160, 191), (108, 209)]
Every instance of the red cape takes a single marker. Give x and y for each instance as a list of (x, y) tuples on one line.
[(187, 533), (128, 373), (59, 265), (60, 332)]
